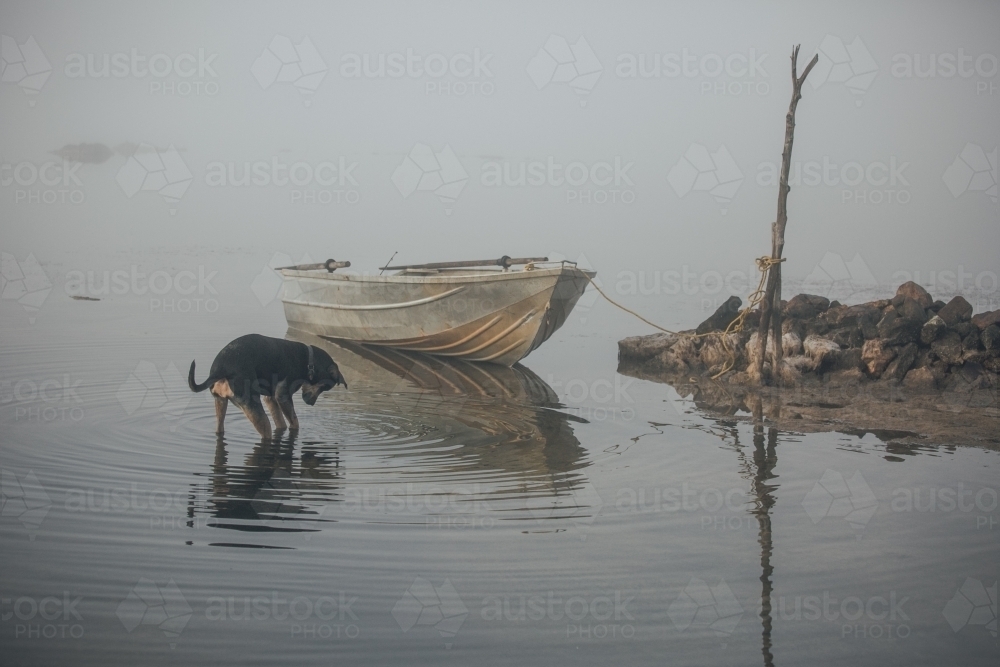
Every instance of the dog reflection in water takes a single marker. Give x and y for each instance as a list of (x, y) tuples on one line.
[(255, 367)]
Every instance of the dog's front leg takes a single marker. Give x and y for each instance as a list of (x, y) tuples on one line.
[(221, 403), (275, 410), (285, 403)]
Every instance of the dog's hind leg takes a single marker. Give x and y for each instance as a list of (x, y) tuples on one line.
[(275, 410), (285, 403), (254, 411), (221, 403)]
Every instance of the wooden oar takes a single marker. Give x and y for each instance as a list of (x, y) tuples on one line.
[(505, 261), (330, 265)]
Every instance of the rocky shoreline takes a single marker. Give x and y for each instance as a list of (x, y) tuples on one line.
[(911, 365)]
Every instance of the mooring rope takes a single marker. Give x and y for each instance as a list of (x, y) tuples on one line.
[(764, 264)]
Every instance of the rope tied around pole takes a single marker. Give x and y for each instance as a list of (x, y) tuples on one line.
[(764, 265)]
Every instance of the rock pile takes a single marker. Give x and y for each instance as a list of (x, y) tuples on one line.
[(910, 340)]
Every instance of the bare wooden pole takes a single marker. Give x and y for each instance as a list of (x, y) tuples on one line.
[(770, 306)]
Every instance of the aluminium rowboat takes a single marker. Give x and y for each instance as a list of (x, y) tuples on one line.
[(490, 311)]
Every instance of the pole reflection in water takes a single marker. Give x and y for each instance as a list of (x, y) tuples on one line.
[(415, 439), (765, 458), (758, 471)]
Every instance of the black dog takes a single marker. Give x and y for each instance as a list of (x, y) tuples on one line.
[(253, 366)]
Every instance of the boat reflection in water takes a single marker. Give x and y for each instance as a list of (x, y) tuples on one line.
[(417, 439)]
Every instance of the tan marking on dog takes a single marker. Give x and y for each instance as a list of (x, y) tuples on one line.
[(222, 388)]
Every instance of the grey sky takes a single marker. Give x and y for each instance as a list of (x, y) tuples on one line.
[(929, 214)]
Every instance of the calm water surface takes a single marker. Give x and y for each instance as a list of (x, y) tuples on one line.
[(455, 514)]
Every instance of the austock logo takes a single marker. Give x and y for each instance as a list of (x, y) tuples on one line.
[(559, 62), (183, 74), (24, 282), (150, 169), (578, 179), (24, 65), (948, 66), (148, 388), (851, 500), (267, 284), (973, 604), (604, 616), (436, 606), (849, 64), (868, 617), (24, 499), (149, 604), (50, 617), (701, 171), (973, 170), (834, 278), (733, 75), (701, 607), (181, 291), (284, 62), (423, 170), (454, 75), (49, 182), (874, 182), (308, 617), (44, 400), (328, 182)]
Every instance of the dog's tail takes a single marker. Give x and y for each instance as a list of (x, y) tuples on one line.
[(198, 387)]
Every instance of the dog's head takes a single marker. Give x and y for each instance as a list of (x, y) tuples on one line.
[(324, 375)]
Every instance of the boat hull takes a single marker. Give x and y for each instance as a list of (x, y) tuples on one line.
[(490, 316)]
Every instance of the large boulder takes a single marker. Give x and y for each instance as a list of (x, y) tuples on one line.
[(896, 330), (851, 377), (819, 349), (911, 310), (876, 355), (849, 326), (640, 348), (955, 311), (844, 360), (991, 337), (849, 316), (869, 328), (722, 317), (925, 357), (679, 357), (984, 320), (750, 349), (790, 374), (720, 350), (933, 328), (970, 343), (791, 344), (816, 327), (848, 337), (921, 379), (805, 306), (796, 327), (948, 348), (898, 367), (799, 362), (911, 290), (963, 329)]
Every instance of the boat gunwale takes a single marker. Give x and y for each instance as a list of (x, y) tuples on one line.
[(490, 276)]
